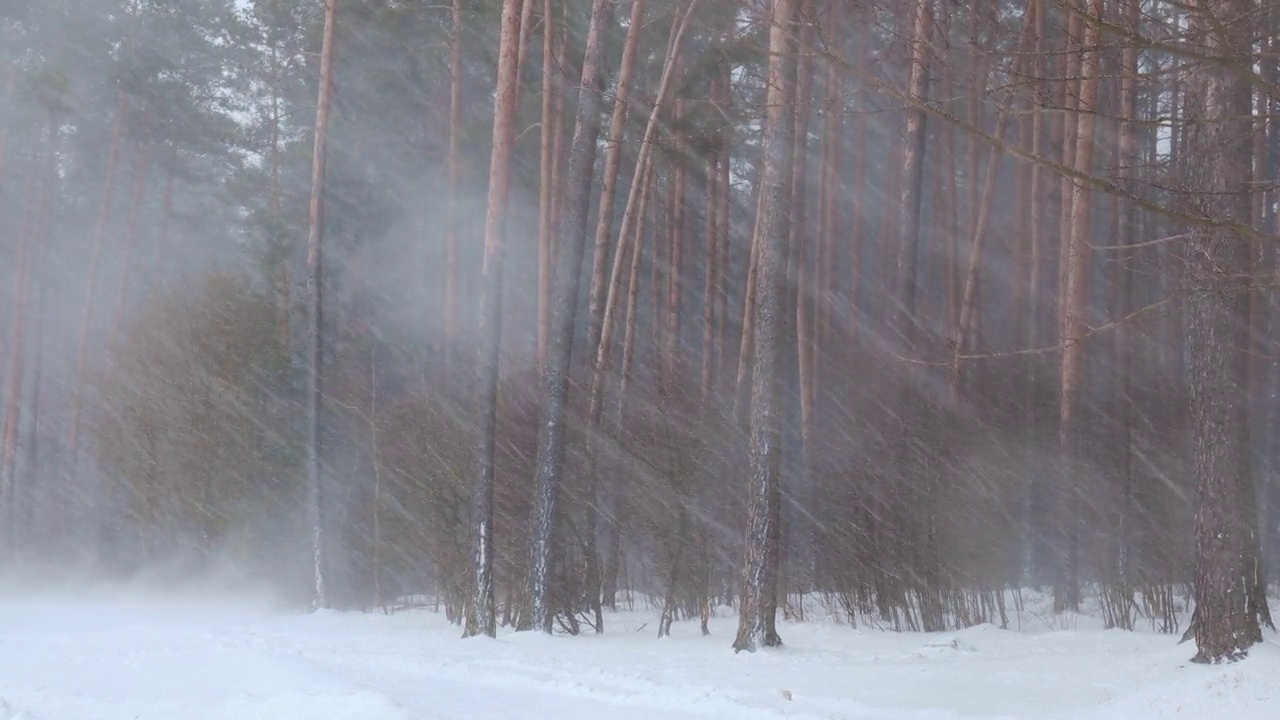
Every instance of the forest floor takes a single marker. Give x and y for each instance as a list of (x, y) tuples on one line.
[(129, 657)]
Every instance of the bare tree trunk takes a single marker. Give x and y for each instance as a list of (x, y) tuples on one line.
[(722, 200), (596, 301), (633, 288), (455, 180), (914, 485), (555, 370), (1033, 503), (315, 305), (630, 215), (597, 314), (1074, 309), (1126, 234), (747, 338), (546, 184), (829, 197), (480, 609), (709, 264), (1226, 619), (526, 32), (760, 563), (979, 228), (675, 259), (857, 212), (802, 247), (968, 298)]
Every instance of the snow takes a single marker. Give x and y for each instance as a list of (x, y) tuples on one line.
[(145, 658)]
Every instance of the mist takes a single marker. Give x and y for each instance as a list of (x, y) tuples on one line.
[(909, 309)]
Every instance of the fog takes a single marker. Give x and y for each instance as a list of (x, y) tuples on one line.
[(962, 412)]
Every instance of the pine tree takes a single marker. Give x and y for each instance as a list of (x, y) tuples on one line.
[(760, 565), (480, 608), (315, 306)]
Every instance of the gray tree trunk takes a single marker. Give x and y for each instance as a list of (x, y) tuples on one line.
[(761, 556), (555, 370), (1226, 619)]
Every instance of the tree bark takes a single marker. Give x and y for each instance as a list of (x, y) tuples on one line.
[(634, 208), (555, 372), (480, 610), (761, 558), (710, 266), (913, 527), (1127, 234), (633, 286), (596, 311), (546, 184), (315, 305), (1074, 309), (1226, 619), (455, 180), (675, 258)]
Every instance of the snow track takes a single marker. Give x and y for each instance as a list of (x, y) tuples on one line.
[(135, 660)]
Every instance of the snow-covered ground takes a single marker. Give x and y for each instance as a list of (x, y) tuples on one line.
[(125, 658)]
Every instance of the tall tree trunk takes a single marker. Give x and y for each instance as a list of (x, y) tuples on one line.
[(968, 298), (480, 609), (525, 21), (455, 181), (670, 363), (802, 245), (709, 264), (1227, 613), (857, 218), (596, 298), (596, 310), (315, 305), (1036, 556), (722, 201), (1074, 308), (634, 209), (546, 184), (555, 370), (829, 195), (633, 285), (913, 485), (1126, 234), (760, 562)]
